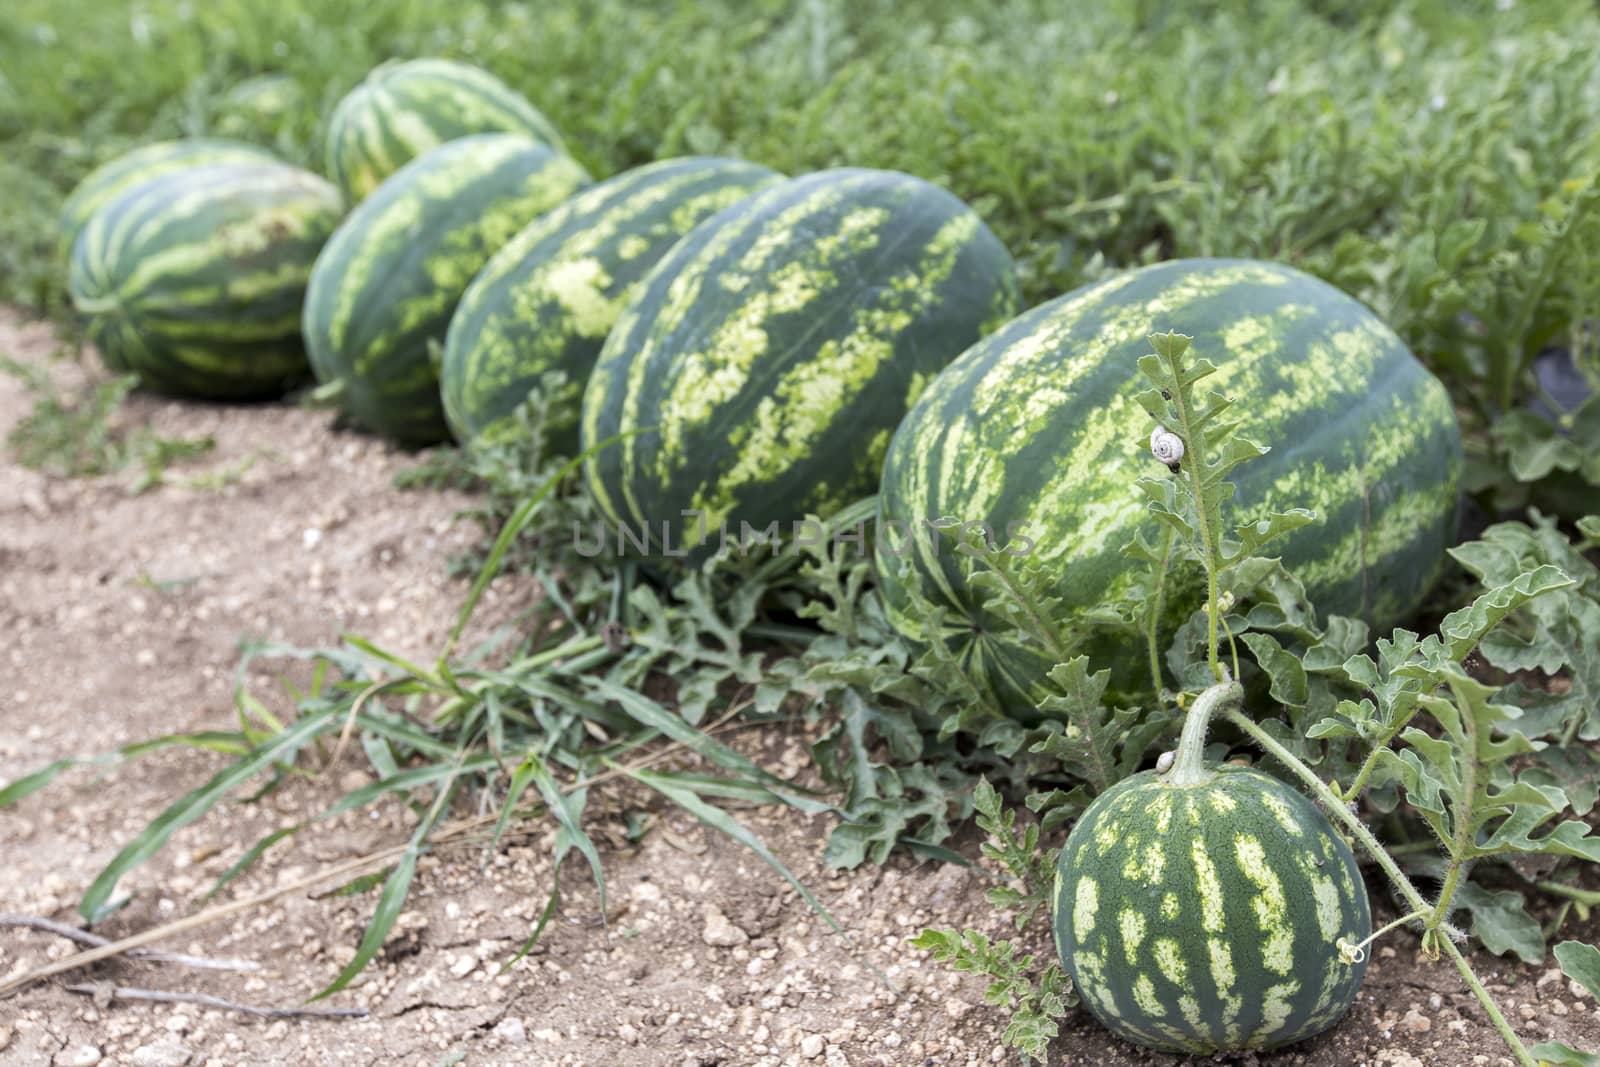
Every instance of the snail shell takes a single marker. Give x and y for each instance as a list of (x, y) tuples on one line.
[(1166, 446)]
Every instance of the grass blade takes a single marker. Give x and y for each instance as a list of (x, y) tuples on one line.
[(649, 713), (393, 897), (406, 781), (710, 785), (521, 778), (569, 820), (514, 526), (391, 658), (194, 804), (34, 781), (545, 916), (719, 820), (390, 901), (251, 855), (227, 742)]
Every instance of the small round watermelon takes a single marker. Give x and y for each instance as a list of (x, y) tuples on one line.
[(768, 357), (195, 280), (383, 291), (404, 109), (546, 301), (1207, 908), (1208, 918)]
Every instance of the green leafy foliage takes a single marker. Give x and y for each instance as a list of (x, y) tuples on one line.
[(76, 437), (1208, 448), (1093, 742), (1030, 870), (1437, 163), (556, 711), (1555, 635), (1558, 1054), (1581, 963), (1037, 995), (1036, 1004), (904, 780)]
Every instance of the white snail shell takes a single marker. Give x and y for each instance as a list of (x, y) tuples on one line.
[(1164, 762), (1166, 445)]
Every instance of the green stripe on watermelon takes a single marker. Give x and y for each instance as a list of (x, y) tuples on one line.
[(404, 109), (384, 289), (143, 164), (1038, 426), (775, 348), (1206, 917), (547, 300), (195, 280)]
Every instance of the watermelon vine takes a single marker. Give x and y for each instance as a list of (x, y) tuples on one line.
[(1172, 401), (1343, 716)]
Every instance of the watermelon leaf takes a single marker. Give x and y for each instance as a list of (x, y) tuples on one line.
[(1502, 922), (1557, 1054), (1581, 963), (1036, 1004), (1097, 744)]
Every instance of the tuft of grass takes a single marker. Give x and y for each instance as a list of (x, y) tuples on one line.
[(571, 699), (80, 436)]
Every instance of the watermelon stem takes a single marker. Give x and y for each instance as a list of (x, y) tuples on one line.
[(1184, 451), (1157, 604), (1336, 805), (1188, 768)]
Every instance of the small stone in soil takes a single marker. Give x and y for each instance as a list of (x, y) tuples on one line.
[(719, 931), (511, 1031), (161, 1054)]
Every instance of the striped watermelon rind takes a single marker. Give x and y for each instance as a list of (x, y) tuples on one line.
[(406, 108), (195, 280), (1207, 917), (383, 291), (546, 301), (1038, 426), (771, 353), (143, 164)]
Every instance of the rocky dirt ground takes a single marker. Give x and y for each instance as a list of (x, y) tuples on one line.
[(122, 615)]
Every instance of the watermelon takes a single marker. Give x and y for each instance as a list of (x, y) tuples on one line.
[(111, 180), (195, 280), (383, 291), (768, 357), (1036, 432), (1207, 918), (1210, 908), (547, 300), (404, 109)]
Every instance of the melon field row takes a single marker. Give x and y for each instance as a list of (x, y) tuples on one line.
[(1153, 453)]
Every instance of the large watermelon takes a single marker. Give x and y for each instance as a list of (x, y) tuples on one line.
[(195, 280), (1037, 426), (404, 109), (547, 300), (384, 289), (112, 179), (773, 350), (1205, 917)]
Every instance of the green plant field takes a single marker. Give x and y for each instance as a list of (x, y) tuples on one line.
[(1426, 156), (1440, 161)]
